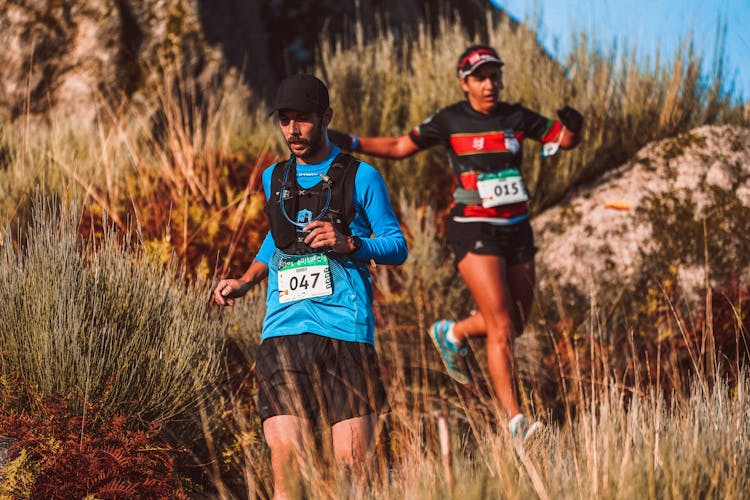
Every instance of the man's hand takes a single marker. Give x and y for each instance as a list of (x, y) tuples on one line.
[(340, 139), (229, 289), (323, 235), (572, 119)]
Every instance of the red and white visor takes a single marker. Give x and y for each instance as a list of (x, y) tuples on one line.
[(474, 59)]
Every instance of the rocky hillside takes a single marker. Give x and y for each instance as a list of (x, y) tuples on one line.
[(64, 56), (679, 207)]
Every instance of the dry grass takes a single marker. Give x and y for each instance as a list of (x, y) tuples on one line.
[(98, 324), (93, 321), (183, 168), (625, 418)]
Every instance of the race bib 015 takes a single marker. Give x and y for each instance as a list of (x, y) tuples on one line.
[(501, 188)]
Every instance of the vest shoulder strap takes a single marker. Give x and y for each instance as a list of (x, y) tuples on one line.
[(343, 172)]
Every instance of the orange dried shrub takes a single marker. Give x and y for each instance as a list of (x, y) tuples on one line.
[(59, 454), (210, 231)]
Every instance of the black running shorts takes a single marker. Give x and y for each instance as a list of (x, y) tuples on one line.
[(312, 376), (514, 242)]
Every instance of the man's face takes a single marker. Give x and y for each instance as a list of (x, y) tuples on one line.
[(303, 132), (483, 86)]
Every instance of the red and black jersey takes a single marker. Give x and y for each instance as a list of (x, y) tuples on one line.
[(485, 143)]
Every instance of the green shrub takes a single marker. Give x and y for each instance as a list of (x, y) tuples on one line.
[(98, 321)]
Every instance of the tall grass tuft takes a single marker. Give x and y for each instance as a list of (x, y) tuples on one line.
[(184, 163), (98, 322), (193, 157), (628, 445)]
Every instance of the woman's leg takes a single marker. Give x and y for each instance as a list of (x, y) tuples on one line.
[(486, 278), (521, 280)]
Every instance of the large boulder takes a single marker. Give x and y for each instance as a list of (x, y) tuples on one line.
[(679, 210), (69, 56)]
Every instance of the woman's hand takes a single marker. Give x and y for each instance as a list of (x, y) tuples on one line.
[(340, 139)]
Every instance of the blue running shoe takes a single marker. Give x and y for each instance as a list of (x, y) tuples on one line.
[(453, 356)]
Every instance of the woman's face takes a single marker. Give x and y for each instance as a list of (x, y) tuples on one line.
[(483, 87)]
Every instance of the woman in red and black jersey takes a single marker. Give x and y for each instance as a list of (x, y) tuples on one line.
[(488, 230)]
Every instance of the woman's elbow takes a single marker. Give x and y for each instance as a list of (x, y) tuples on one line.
[(405, 147)]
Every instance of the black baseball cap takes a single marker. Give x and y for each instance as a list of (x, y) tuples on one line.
[(475, 56), (303, 93)]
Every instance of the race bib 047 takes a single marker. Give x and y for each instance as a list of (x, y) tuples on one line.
[(501, 188), (304, 278)]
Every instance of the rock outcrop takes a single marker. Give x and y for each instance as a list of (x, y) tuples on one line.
[(66, 56), (649, 216)]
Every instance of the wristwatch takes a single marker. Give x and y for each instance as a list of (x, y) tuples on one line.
[(356, 243)]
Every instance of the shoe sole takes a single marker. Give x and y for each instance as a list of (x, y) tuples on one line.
[(533, 431), (458, 377)]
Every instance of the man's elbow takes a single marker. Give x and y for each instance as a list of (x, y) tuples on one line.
[(402, 254), (395, 256)]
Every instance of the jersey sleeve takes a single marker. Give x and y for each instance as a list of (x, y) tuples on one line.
[(430, 132), (375, 216), (538, 127)]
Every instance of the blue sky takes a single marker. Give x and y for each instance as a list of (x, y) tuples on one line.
[(650, 24)]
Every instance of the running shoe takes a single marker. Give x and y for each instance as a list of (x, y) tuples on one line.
[(453, 355), (522, 428)]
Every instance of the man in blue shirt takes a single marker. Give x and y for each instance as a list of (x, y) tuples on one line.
[(316, 361)]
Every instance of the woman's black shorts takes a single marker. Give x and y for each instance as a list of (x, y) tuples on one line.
[(515, 242), (312, 376)]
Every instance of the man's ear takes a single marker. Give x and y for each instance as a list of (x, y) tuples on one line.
[(327, 116)]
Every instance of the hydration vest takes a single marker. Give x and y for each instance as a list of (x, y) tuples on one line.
[(331, 200)]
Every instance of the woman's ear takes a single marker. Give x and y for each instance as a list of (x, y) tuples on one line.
[(464, 85)]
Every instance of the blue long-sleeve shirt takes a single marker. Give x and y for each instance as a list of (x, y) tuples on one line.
[(346, 314)]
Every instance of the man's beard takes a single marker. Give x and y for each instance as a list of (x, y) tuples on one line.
[(314, 144)]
